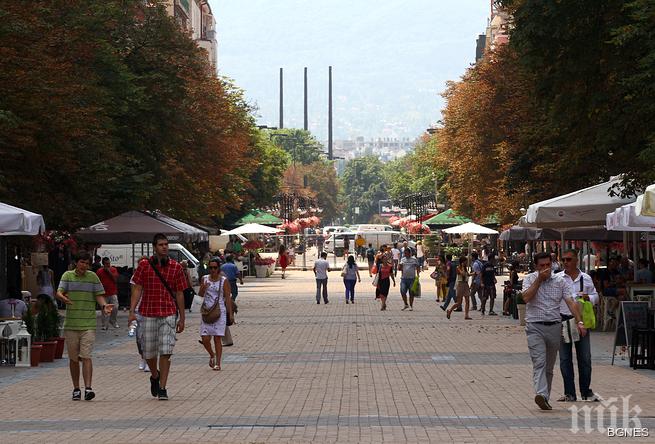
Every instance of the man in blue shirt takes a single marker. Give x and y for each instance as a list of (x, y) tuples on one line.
[(231, 273)]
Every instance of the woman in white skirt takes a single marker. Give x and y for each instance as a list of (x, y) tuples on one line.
[(213, 288)]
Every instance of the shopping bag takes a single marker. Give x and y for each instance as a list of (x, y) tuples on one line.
[(376, 279), (588, 315), (415, 289)]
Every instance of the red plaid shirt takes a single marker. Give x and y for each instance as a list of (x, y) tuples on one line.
[(156, 301)]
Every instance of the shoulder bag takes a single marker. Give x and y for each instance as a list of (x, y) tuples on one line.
[(212, 314)]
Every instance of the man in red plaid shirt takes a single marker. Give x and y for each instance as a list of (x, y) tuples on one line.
[(162, 311)]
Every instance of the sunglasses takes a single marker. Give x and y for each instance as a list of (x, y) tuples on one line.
[(213, 267)]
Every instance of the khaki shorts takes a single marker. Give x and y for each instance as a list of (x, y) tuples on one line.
[(79, 343)]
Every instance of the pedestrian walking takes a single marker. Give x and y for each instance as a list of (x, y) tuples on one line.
[(581, 285), (320, 241), (488, 286), (80, 289), (159, 282), (463, 289), (451, 281), (283, 259), (543, 293), (384, 271), (350, 275), (370, 257), (395, 253), (321, 269), (420, 254), (215, 289), (409, 269), (440, 278), (231, 272), (109, 278), (476, 280), (45, 281)]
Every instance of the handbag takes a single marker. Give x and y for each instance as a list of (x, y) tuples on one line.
[(211, 314), (344, 271), (570, 331), (586, 310), (434, 275), (376, 280)]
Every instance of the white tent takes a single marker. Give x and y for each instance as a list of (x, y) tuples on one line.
[(15, 221), (252, 229), (469, 228), (582, 208)]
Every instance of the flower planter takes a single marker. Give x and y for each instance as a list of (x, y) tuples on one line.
[(271, 269), (59, 349), (261, 271), (521, 309), (35, 356), (48, 352)]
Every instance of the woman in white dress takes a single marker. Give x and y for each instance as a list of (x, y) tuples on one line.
[(213, 288)]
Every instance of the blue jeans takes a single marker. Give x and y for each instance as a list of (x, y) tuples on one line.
[(405, 285), (321, 283), (451, 296), (350, 289), (583, 353)]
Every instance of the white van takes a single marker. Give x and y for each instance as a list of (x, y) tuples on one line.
[(327, 231), (382, 237), (121, 256), (336, 242), (374, 227)]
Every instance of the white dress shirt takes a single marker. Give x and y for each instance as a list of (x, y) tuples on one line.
[(588, 288)]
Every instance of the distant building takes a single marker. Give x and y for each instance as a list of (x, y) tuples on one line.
[(385, 148), (195, 16), (496, 33)]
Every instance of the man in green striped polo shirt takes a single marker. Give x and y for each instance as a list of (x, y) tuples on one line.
[(80, 289)]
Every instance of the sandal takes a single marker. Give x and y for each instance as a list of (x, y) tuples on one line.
[(212, 362), (216, 368), (468, 319)]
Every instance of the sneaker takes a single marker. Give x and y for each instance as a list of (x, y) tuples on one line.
[(592, 397), (482, 312), (404, 308), (104, 328), (77, 394), (318, 303), (143, 365), (347, 301), (154, 386), (542, 402), (442, 307), (411, 308), (162, 395), (88, 394), (492, 313), (116, 325), (566, 398)]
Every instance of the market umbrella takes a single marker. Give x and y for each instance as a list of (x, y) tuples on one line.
[(135, 227), (259, 217), (15, 221), (583, 208), (470, 228), (518, 233), (646, 206), (447, 218), (252, 229)]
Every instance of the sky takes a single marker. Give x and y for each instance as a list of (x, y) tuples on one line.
[(391, 59)]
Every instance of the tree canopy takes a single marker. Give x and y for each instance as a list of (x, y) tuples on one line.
[(363, 187)]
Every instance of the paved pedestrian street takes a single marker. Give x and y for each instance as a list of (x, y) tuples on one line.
[(302, 372)]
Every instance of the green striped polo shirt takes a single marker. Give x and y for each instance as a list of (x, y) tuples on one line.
[(82, 291)]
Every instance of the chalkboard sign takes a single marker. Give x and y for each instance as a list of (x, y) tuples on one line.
[(631, 315)]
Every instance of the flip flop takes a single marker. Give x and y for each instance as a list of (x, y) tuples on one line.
[(212, 363), (216, 368)]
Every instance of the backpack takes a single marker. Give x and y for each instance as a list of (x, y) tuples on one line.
[(370, 253)]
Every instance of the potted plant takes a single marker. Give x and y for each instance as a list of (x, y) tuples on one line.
[(263, 266), (54, 322), (45, 327), (520, 306), (35, 356)]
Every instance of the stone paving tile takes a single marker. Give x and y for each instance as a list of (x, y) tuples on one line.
[(300, 372)]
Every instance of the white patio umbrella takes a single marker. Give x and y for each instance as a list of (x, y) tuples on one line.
[(646, 206), (582, 208), (252, 229), (469, 228), (15, 221)]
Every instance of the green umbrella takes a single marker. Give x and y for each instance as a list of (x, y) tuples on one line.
[(259, 217), (448, 217)]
